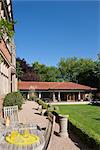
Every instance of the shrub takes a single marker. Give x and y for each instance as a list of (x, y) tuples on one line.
[(33, 98), (44, 105), (14, 98), (37, 100), (56, 108), (51, 109)]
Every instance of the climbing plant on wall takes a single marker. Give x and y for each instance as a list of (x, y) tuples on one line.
[(6, 28), (1, 59)]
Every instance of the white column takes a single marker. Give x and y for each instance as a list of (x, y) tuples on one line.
[(59, 96), (39, 94), (79, 96), (28, 96), (53, 96)]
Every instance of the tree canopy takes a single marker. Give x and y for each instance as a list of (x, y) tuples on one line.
[(80, 70), (25, 72)]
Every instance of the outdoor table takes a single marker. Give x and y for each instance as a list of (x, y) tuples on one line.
[(33, 129)]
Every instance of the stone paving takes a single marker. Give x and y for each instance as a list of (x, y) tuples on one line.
[(29, 114)]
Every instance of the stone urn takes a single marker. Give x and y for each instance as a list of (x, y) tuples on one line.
[(63, 123)]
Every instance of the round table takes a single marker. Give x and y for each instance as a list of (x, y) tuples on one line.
[(33, 129)]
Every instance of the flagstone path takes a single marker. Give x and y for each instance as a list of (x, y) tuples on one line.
[(30, 114)]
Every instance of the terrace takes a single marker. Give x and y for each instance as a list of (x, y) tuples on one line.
[(31, 115)]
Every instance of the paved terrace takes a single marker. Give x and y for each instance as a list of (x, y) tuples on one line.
[(29, 113)]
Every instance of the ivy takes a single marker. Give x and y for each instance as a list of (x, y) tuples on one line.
[(6, 27), (1, 59)]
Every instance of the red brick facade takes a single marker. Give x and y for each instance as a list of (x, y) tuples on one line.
[(5, 51)]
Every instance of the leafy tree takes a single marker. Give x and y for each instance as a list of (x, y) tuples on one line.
[(83, 71), (86, 72), (97, 72), (68, 68), (40, 70), (18, 69), (25, 71), (78, 70), (46, 73), (23, 64), (52, 74)]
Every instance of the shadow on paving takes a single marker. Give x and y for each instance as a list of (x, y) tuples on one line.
[(37, 113)]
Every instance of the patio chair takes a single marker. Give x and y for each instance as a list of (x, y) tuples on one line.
[(12, 112)]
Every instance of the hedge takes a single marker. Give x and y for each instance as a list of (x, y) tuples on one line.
[(89, 141), (47, 106), (14, 98)]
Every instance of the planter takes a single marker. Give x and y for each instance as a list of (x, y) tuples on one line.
[(63, 123)]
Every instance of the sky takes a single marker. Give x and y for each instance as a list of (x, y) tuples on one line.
[(47, 30)]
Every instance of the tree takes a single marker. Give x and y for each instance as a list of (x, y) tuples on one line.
[(25, 71), (40, 70), (52, 74), (46, 73), (86, 72), (68, 68), (18, 69), (83, 71), (97, 72), (78, 70)]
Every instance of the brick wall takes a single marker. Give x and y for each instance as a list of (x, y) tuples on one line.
[(5, 51)]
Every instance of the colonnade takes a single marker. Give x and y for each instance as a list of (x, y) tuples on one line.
[(57, 96)]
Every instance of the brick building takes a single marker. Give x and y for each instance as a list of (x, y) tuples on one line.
[(7, 54)]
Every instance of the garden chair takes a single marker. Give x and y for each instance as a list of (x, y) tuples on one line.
[(12, 113)]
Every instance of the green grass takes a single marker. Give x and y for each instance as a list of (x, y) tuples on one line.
[(84, 117)]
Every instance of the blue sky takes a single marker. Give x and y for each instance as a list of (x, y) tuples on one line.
[(49, 30)]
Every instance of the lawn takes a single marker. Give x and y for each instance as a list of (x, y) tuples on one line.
[(84, 117)]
